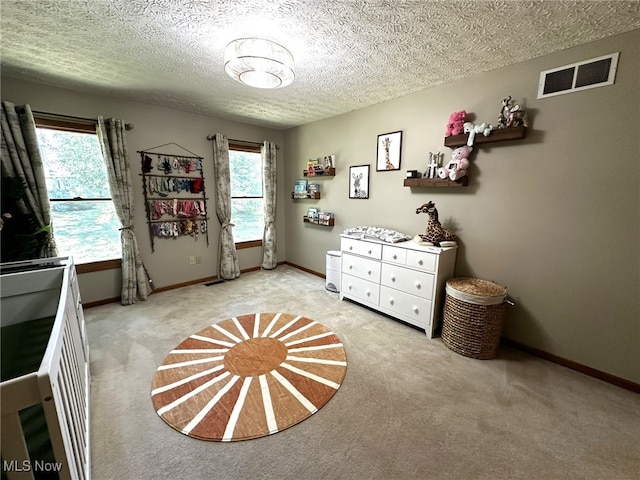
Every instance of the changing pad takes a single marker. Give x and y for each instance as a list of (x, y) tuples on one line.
[(384, 234)]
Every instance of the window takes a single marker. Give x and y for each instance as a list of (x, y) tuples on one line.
[(85, 224), (247, 203)]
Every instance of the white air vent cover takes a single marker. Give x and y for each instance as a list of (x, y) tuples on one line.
[(596, 72)]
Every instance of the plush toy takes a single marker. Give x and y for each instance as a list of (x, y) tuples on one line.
[(504, 112), (455, 125), (516, 117), (456, 168), (459, 162), (472, 129), (435, 233)]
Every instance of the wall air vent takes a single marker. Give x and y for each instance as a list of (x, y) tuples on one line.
[(596, 72)]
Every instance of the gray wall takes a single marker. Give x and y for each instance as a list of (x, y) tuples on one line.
[(154, 126), (554, 217)]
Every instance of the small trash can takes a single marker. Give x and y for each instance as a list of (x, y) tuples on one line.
[(334, 258), (473, 317)]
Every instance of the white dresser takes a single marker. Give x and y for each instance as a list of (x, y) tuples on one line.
[(404, 280)]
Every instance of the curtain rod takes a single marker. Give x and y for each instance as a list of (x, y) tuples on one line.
[(241, 142), (57, 116)]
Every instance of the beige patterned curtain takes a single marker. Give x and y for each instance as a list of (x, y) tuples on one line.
[(22, 168), (269, 239), (135, 282), (228, 265)]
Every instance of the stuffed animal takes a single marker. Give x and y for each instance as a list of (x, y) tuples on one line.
[(504, 112), (472, 129), (455, 125), (516, 117), (435, 233), (459, 162), (456, 168)]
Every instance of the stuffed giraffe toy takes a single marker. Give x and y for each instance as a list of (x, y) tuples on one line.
[(434, 233)]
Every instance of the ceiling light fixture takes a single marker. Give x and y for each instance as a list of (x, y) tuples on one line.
[(259, 63)]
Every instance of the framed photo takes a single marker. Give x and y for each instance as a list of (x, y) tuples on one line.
[(389, 150), (359, 181)]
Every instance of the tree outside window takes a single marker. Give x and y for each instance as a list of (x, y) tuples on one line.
[(247, 204), (85, 224)]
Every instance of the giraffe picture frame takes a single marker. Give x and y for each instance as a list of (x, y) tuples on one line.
[(359, 181), (389, 151)]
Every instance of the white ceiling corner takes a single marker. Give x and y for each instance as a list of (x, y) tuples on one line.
[(348, 53)]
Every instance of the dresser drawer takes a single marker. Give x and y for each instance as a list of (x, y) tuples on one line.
[(409, 308), (413, 282), (361, 267), (372, 250), (360, 288), (360, 247), (350, 245), (394, 254), (422, 260)]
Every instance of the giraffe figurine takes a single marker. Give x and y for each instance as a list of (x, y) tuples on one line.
[(434, 233), (387, 160)]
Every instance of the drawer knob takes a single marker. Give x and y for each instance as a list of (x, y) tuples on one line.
[(369, 251), (350, 267), (368, 293), (395, 257), (420, 262), (369, 272), (393, 278), (351, 248), (418, 286), (349, 287), (391, 300), (415, 309)]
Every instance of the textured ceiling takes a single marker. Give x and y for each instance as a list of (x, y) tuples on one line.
[(348, 53)]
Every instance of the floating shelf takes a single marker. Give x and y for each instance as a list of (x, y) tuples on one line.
[(310, 195), (330, 223), (331, 172), (499, 135), (436, 182)]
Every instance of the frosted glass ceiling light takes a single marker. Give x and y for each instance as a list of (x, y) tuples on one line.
[(259, 63)]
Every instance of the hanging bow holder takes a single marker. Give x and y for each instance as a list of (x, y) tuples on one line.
[(174, 194)]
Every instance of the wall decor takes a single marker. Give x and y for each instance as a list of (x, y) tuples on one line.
[(359, 181), (175, 198), (389, 150)]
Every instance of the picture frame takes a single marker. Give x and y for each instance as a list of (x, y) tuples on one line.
[(389, 151), (359, 182)]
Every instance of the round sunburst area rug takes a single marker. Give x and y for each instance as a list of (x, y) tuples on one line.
[(248, 376)]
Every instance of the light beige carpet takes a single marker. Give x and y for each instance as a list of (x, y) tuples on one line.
[(408, 409), (248, 376)]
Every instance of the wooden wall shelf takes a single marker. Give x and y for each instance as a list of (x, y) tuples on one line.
[(499, 135), (436, 182), (331, 172), (309, 195), (305, 219)]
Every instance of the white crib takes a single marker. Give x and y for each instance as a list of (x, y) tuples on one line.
[(45, 372)]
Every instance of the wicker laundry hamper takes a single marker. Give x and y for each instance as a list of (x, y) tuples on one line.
[(473, 317)]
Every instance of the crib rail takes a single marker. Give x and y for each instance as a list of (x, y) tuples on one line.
[(61, 384), (64, 375)]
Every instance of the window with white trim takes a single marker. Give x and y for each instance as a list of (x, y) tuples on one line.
[(84, 220), (247, 202)]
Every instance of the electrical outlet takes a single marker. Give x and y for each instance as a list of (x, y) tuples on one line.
[(192, 260), (198, 260)]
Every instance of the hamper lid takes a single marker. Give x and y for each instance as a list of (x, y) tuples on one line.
[(477, 291)]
